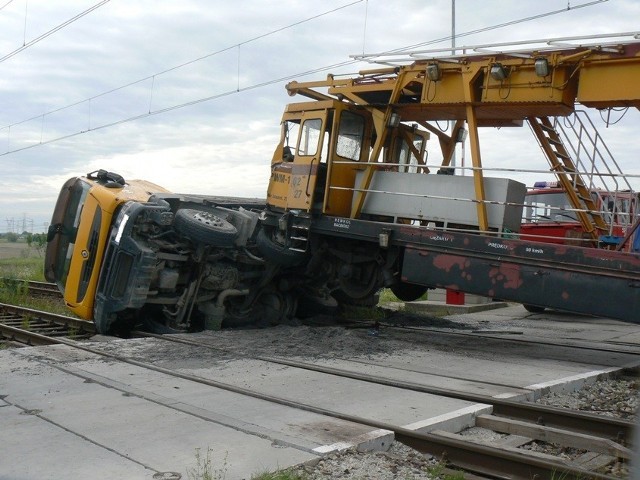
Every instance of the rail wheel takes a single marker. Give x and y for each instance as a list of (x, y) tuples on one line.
[(358, 285)]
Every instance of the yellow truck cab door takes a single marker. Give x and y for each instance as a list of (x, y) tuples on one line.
[(350, 146), (309, 161)]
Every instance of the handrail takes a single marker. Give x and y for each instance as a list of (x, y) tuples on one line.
[(525, 47)]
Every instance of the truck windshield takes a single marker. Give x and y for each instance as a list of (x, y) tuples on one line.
[(548, 207), (61, 235)]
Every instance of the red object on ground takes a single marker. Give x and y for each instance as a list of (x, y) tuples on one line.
[(454, 297)]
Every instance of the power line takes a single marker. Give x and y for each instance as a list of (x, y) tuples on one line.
[(176, 67), (500, 25), (6, 4), (182, 105), (238, 89), (52, 31)]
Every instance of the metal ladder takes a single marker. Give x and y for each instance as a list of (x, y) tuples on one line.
[(588, 165), (299, 238)]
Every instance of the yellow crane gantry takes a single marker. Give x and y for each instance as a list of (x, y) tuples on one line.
[(495, 89)]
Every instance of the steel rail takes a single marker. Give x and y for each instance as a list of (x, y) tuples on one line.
[(474, 457), (634, 351), (616, 429), (25, 337), (43, 289), (52, 318), (34, 287)]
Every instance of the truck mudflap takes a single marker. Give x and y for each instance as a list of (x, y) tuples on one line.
[(576, 279)]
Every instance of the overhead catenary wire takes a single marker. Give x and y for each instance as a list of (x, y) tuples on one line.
[(52, 31), (237, 89), (190, 62), (497, 26), (6, 4)]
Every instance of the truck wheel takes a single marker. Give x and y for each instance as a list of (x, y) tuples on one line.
[(408, 292), (277, 253), (533, 308), (205, 227)]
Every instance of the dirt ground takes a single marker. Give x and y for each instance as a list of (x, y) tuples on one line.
[(16, 250)]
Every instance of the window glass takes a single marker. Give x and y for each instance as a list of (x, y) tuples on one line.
[(546, 207), (310, 137), (407, 157), (350, 136), (68, 229), (290, 130)]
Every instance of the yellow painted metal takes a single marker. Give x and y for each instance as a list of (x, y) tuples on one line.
[(304, 170), (447, 142), (524, 86), (101, 203), (278, 189), (464, 90), (561, 164), (381, 120), (341, 172), (292, 184), (472, 77), (610, 83)]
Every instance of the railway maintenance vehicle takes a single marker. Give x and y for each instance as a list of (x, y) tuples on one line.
[(353, 205)]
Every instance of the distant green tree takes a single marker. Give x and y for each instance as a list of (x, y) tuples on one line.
[(37, 240), (12, 237), (40, 240)]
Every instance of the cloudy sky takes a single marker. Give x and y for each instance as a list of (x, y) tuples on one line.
[(189, 94)]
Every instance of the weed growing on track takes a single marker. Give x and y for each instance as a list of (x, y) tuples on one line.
[(26, 322), (15, 292), (204, 469), (14, 272), (440, 471)]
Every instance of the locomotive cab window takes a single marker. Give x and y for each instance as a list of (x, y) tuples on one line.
[(350, 136)]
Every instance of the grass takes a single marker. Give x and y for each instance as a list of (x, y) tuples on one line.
[(204, 469), (374, 313), (13, 289), (441, 472), (29, 268), (387, 296)]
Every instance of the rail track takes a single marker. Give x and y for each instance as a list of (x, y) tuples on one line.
[(605, 436), (503, 336), (21, 326), (33, 288), (46, 289), (43, 289)]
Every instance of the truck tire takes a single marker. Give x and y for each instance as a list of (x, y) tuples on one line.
[(408, 292), (277, 253), (205, 227)]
